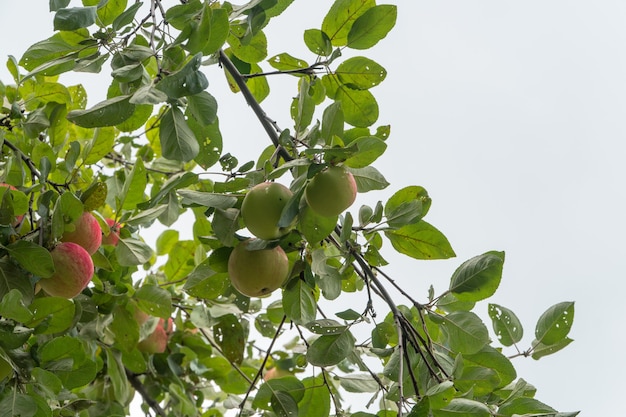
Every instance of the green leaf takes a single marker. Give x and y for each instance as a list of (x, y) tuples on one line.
[(109, 11), (316, 400), (407, 205), (127, 17), (12, 305), (369, 149), (340, 18), (125, 329), (117, 377), (368, 179), (284, 405), (74, 18), (299, 302), (155, 301), (210, 140), (314, 227), (286, 384), (180, 261), (318, 42), (465, 331), (131, 252), (555, 323), (51, 315), (203, 282), (420, 241), (359, 383), (478, 278), (67, 209), (360, 73), (286, 62), (205, 199), (506, 325), (109, 112), (541, 349), (331, 349), (177, 140), (440, 395), (101, 144), (372, 26), (58, 4), (148, 95), (250, 50), (359, 106), (32, 257), (58, 50), (525, 406), (230, 337), (326, 326), (134, 186), (187, 81), (463, 407), (332, 122), (203, 107), (493, 359)]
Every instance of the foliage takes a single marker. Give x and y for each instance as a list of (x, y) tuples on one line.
[(141, 157)]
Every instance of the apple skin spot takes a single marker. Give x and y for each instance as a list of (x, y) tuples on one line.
[(73, 271)]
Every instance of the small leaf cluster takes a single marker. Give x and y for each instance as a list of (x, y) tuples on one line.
[(150, 157)]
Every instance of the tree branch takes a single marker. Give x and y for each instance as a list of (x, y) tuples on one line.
[(256, 108), (138, 386)]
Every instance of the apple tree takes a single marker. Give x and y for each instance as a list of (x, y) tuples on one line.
[(96, 319)]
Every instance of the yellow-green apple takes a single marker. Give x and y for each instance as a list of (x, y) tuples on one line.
[(256, 273), (73, 269), (87, 233), (156, 342), (331, 191), (262, 207), (114, 233)]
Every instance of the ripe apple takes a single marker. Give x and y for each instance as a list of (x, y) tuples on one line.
[(274, 373), (73, 271), (256, 273), (331, 191), (156, 342), (87, 233), (114, 234), (262, 207)]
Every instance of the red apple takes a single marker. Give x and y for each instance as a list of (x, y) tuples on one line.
[(73, 271), (114, 234), (156, 342), (87, 233)]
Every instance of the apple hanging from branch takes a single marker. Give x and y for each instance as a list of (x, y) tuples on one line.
[(87, 233), (331, 191), (257, 273), (114, 233), (262, 207), (73, 271)]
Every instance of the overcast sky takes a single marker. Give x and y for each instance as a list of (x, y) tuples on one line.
[(511, 115)]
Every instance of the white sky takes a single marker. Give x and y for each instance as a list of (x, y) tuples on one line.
[(511, 115)]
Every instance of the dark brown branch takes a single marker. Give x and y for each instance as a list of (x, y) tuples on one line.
[(310, 70), (138, 386), (31, 166), (256, 108)]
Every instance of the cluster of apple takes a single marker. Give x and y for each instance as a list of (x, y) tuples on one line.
[(72, 256), (257, 273)]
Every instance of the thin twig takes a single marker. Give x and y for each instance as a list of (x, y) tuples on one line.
[(260, 371)]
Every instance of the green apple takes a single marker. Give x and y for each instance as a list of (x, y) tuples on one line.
[(256, 273), (262, 207), (331, 191), (73, 271), (87, 233)]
